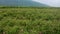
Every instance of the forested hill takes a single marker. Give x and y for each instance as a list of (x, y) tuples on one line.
[(26, 3)]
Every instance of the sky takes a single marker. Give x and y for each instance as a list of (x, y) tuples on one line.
[(54, 3)]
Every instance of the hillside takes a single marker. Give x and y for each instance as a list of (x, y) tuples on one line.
[(26, 3)]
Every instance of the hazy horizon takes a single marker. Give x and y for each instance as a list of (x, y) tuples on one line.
[(53, 3)]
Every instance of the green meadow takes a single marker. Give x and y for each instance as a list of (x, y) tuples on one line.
[(29, 20)]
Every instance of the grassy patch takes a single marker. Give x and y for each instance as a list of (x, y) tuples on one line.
[(29, 20)]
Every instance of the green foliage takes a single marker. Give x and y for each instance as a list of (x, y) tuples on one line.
[(29, 20)]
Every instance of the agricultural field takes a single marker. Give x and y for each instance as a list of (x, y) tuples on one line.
[(29, 20)]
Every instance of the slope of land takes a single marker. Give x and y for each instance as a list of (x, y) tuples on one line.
[(26, 3)]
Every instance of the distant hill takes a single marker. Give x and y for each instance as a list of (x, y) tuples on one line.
[(24, 3)]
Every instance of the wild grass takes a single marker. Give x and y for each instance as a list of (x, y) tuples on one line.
[(29, 20)]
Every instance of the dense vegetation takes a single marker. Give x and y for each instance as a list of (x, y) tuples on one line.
[(25, 3), (29, 20)]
